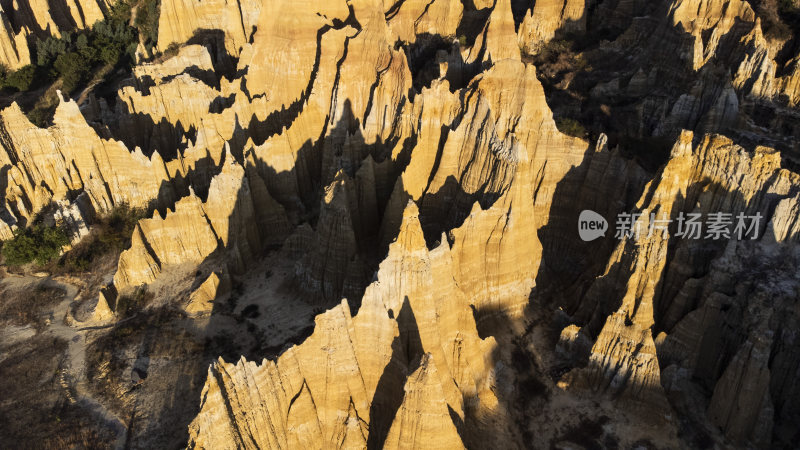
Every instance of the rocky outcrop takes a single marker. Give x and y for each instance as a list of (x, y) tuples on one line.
[(14, 51), (102, 312), (191, 232), (74, 216), (355, 397), (658, 283), (201, 301), (182, 236), (180, 20), (423, 419), (498, 40), (333, 265), (741, 404), (409, 19), (295, 26), (546, 18), (45, 165), (190, 58), (424, 203)]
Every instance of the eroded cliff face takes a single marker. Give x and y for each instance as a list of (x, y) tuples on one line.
[(181, 20), (647, 70), (396, 172), (548, 17)]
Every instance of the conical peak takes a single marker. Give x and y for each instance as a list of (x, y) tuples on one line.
[(410, 236)]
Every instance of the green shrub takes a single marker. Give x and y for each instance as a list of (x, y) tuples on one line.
[(73, 56), (73, 69), (37, 243), (47, 50), (571, 127), (21, 79), (147, 20), (3, 74), (110, 235), (130, 304), (41, 116)]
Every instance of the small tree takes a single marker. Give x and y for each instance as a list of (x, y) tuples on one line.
[(73, 69), (37, 243), (21, 79), (571, 127)]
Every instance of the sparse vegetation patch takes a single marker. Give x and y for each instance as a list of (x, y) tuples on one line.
[(110, 235)]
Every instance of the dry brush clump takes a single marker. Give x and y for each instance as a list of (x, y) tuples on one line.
[(107, 239), (29, 305)]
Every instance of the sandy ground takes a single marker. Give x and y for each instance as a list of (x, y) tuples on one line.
[(73, 375), (141, 377)]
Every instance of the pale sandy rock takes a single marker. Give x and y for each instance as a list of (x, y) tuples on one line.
[(790, 83), (283, 160), (24, 19), (101, 312), (498, 40), (716, 16), (572, 343), (398, 323), (195, 57), (434, 106), (414, 18), (498, 189), (181, 236), (483, 4), (47, 164), (180, 20), (709, 175), (623, 364), (700, 15), (284, 52), (230, 211), (75, 216), (741, 403), (14, 51), (756, 71), (785, 223), (334, 255), (187, 235), (423, 420), (271, 220), (292, 402), (548, 17), (499, 242), (201, 301), (154, 119)]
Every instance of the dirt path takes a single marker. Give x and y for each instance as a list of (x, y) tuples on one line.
[(73, 376)]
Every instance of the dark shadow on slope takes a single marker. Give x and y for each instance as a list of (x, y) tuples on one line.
[(572, 277), (406, 351), (530, 388), (422, 59), (447, 208), (427, 53), (158, 390), (261, 130), (140, 130), (214, 41), (604, 183), (472, 22)]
